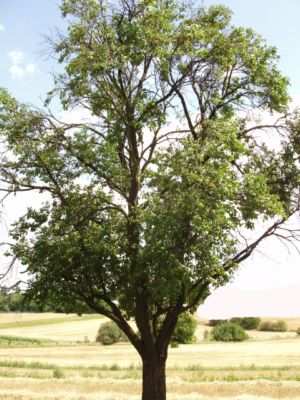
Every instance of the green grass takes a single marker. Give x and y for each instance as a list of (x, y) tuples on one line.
[(193, 374), (17, 341), (251, 367), (26, 365), (39, 365), (49, 321), (134, 367)]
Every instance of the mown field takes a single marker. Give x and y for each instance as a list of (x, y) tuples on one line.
[(55, 357)]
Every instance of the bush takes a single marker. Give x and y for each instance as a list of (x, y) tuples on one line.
[(110, 333), (248, 323), (216, 322), (185, 329), (251, 323), (58, 373), (298, 331), (280, 326), (229, 332), (273, 326)]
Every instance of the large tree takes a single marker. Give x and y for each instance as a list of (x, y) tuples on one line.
[(147, 202)]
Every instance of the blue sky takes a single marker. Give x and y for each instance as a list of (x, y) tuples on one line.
[(278, 22), (26, 22), (25, 70)]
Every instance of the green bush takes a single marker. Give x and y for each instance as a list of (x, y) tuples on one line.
[(273, 326), (110, 333), (248, 323), (58, 373), (215, 322), (229, 332), (185, 329)]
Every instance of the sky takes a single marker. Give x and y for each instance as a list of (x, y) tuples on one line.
[(266, 284)]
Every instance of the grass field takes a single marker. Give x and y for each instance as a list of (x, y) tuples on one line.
[(54, 367), (50, 326)]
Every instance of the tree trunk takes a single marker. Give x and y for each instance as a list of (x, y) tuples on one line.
[(154, 379)]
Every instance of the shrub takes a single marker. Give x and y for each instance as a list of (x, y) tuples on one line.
[(236, 320), (266, 326), (280, 326), (251, 323), (298, 331), (110, 333), (248, 323), (215, 322), (229, 332), (273, 326), (185, 329), (58, 373)]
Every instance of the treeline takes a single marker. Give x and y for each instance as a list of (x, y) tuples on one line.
[(17, 302), (248, 323), (252, 323)]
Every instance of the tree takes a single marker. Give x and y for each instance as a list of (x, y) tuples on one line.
[(6, 271), (149, 202)]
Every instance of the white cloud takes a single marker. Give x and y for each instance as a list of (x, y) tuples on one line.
[(16, 57), (78, 115), (2, 28), (30, 68), (19, 69), (16, 72)]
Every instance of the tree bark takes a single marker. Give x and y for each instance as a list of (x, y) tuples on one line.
[(154, 379)]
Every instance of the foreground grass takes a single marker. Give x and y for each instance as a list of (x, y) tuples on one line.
[(94, 372), (192, 373), (38, 385), (27, 381), (37, 368)]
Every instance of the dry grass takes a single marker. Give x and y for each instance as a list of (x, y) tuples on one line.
[(261, 369), (73, 328), (100, 389), (50, 326), (19, 317), (195, 372)]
